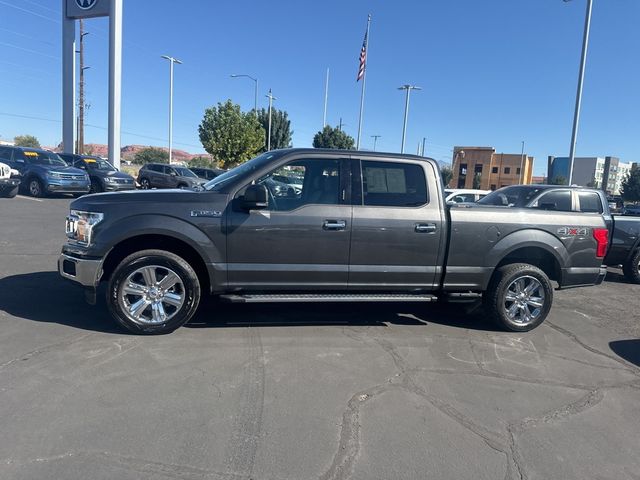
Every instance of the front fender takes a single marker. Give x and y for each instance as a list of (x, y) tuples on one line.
[(111, 234)]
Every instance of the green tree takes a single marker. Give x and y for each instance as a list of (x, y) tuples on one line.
[(230, 135), (151, 155), (630, 190), (477, 181), (280, 127), (26, 141), (202, 161), (335, 138), (558, 180), (447, 175)]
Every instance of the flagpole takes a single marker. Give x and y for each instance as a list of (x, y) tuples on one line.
[(364, 81)]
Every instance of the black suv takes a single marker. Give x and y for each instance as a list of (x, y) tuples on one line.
[(208, 173), (104, 176), (161, 175)]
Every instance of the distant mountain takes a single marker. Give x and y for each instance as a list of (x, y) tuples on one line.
[(129, 151)]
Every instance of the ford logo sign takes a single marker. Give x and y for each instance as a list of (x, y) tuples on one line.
[(86, 4)]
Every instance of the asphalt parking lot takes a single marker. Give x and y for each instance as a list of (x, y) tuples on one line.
[(307, 391)]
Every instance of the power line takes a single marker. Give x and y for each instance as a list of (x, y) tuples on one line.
[(20, 34), (29, 50), (42, 6), (31, 12)]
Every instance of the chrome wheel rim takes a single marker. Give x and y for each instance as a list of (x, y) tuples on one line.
[(34, 188), (525, 300), (145, 184), (151, 295)]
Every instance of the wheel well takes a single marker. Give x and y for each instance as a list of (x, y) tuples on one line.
[(160, 242), (536, 256)]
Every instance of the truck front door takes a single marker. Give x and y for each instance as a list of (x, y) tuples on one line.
[(301, 241), (397, 238)]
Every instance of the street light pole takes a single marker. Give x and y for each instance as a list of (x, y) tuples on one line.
[(408, 88), (255, 93), (171, 62), (583, 61), (271, 99), (375, 141), (521, 164)]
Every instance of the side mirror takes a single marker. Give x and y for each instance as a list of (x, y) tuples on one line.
[(255, 198)]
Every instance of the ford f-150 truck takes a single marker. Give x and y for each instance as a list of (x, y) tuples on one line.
[(362, 226)]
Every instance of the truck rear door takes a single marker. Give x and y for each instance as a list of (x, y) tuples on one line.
[(398, 225)]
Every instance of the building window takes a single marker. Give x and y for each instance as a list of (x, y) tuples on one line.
[(494, 170), (507, 170), (463, 169), (493, 186), (478, 168), (518, 171)]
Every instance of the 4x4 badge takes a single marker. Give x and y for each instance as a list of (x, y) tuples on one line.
[(205, 213), (573, 231)]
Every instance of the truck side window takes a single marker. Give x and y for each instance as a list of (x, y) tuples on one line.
[(590, 202), (303, 182), (559, 200), (390, 184)]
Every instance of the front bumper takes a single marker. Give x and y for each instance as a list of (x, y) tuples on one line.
[(85, 271), (53, 185), (9, 183), (118, 187)]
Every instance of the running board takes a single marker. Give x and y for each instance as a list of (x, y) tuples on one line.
[(317, 297)]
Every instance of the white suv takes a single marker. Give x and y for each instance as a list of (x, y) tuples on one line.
[(8, 185)]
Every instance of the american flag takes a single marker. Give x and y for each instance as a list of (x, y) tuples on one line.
[(363, 58)]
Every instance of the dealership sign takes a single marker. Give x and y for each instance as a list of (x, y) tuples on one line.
[(87, 8)]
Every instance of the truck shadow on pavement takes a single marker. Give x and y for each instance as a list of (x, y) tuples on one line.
[(628, 350), (46, 297)]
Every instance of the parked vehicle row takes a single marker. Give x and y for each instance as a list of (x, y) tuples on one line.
[(104, 177)]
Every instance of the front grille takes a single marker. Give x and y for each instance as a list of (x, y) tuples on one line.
[(123, 181), (67, 176)]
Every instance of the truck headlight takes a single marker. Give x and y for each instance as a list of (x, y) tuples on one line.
[(79, 225)]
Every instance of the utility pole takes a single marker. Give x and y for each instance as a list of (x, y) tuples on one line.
[(171, 62), (81, 103), (271, 99), (408, 89), (340, 125), (424, 139), (326, 98), (583, 61), (375, 141)]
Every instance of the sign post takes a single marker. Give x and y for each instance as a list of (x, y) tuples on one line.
[(73, 10)]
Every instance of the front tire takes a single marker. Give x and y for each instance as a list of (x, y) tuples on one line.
[(631, 267), (96, 187), (153, 292), (9, 193), (35, 188), (519, 297), (145, 184)]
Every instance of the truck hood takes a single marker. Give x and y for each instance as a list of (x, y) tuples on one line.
[(150, 201), (113, 173)]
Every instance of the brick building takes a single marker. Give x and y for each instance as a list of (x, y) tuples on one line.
[(494, 170)]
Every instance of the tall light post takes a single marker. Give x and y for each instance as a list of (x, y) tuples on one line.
[(271, 99), (255, 95), (375, 141), (521, 164), (583, 61), (171, 62), (408, 89)]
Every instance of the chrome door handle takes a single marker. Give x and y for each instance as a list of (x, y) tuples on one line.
[(425, 227), (334, 225)]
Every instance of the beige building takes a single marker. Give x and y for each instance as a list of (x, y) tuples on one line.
[(494, 170)]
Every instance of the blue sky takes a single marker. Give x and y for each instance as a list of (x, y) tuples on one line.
[(493, 73)]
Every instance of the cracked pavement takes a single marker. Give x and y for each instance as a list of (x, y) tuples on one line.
[(307, 391)]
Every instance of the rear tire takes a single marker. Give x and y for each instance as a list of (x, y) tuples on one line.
[(631, 267), (519, 297), (153, 292), (96, 187)]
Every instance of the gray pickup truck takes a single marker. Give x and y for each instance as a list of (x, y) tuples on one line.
[(362, 226)]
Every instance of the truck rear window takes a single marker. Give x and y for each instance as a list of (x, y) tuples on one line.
[(387, 184)]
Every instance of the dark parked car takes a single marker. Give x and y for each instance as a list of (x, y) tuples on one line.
[(365, 226), (104, 176), (625, 246), (631, 210), (44, 172), (206, 173), (161, 175)]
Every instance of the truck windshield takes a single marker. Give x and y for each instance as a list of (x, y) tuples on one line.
[(516, 196), (240, 171)]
